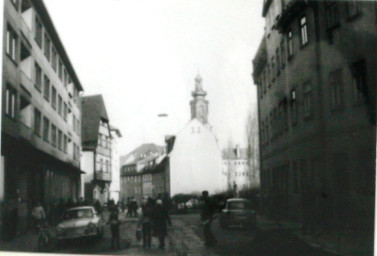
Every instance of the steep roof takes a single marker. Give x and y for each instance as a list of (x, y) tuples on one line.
[(143, 149), (93, 110)]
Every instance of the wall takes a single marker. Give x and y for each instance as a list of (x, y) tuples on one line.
[(195, 162)]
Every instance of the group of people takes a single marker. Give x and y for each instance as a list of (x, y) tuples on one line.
[(153, 220)]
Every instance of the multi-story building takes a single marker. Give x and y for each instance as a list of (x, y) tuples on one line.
[(138, 173), (236, 168), (315, 71), (115, 167), (40, 146), (96, 147)]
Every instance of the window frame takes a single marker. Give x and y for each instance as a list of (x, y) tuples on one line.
[(293, 108), (53, 135), (47, 47), (290, 48), (10, 102), (336, 90), (46, 85), (38, 36), (38, 77), (11, 43), (332, 15), (53, 99), (307, 100), (46, 129), (37, 122), (304, 36)]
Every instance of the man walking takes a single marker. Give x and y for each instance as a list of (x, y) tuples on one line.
[(207, 215), (160, 219)]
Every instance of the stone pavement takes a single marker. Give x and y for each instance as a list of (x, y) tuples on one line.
[(181, 241), (344, 242)]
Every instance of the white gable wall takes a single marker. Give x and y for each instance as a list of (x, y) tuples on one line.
[(195, 161)]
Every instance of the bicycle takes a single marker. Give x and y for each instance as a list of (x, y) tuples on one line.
[(44, 238)]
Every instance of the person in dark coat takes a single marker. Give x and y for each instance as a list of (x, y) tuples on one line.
[(98, 207), (145, 222), (207, 216), (160, 219), (114, 227)]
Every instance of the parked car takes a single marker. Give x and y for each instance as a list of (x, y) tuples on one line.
[(79, 222), (238, 212)]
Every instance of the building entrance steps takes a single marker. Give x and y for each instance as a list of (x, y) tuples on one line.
[(345, 242)]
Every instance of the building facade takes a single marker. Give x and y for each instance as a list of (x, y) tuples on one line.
[(144, 177), (115, 167), (96, 158), (194, 153), (41, 113), (237, 170), (315, 71)]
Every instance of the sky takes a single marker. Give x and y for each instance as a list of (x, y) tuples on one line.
[(143, 57)]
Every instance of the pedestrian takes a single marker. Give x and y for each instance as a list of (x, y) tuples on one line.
[(145, 223), (98, 207), (129, 208), (207, 216), (39, 214), (134, 208), (160, 219), (114, 227)]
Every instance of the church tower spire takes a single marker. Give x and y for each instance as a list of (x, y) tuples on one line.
[(199, 105)]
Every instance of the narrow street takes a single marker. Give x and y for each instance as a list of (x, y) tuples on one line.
[(185, 238)]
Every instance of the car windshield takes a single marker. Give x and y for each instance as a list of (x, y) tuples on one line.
[(242, 205), (78, 213)]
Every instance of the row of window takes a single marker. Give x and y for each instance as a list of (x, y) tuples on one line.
[(103, 166), (352, 10), (277, 61), (276, 123), (235, 162), (50, 133), (44, 42), (132, 179), (104, 141), (50, 94)]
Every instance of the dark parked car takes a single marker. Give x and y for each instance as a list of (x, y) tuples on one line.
[(238, 212)]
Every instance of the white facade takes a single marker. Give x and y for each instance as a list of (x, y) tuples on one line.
[(87, 166), (195, 161), (115, 168), (238, 173)]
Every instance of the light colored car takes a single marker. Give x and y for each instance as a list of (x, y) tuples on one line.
[(238, 212), (79, 222)]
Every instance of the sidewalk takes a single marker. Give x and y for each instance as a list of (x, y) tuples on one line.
[(26, 242), (345, 242)]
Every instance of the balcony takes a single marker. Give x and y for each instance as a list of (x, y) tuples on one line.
[(104, 176)]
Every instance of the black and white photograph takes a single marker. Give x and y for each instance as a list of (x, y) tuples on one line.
[(188, 127)]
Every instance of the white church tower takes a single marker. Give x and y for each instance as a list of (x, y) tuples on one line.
[(199, 105), (195, 159)]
